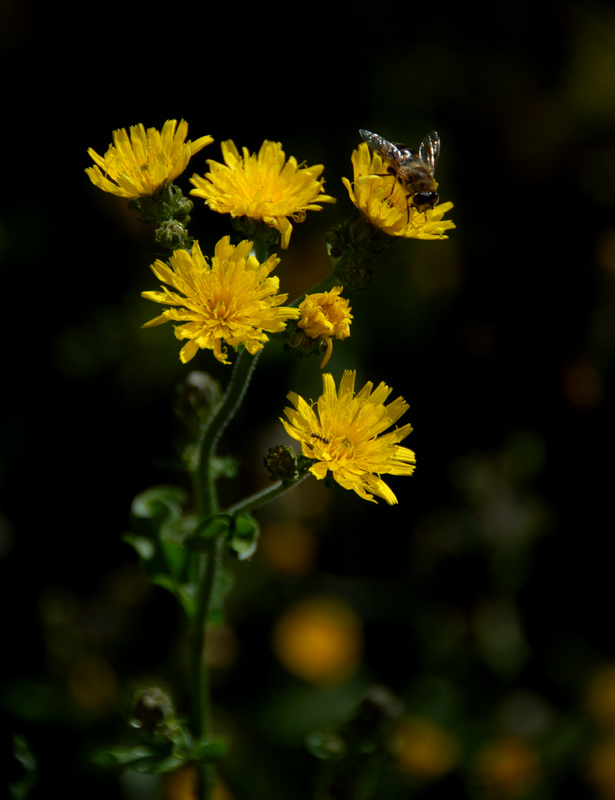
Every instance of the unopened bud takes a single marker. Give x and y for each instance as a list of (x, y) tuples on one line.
[(171, 234), (197, 398), (151, 707), (281, 462), (355, 272)]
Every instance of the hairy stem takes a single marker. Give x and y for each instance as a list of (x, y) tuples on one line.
[(210, 561), (265, 496)]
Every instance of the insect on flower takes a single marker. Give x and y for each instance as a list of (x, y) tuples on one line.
[(320, 438), (415, 171)]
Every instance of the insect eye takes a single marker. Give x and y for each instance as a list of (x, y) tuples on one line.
[(425, 199)]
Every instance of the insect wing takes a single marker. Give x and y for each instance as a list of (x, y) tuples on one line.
[(386, 149), (429, 151)]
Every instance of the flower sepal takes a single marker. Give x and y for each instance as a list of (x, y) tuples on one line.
[(166, 203), (165, 741), (264, 238), (302, 346), (351, 247)]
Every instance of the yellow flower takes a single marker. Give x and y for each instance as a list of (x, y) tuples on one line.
[(382, 199), (232, 301), (139, 163), (262, 187), (342, 436), (325, 314)]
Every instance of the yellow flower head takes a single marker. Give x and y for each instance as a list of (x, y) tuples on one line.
[(139, 163), (383, 200), (342, 435), (325, 314), (232, 300), (262, 187)]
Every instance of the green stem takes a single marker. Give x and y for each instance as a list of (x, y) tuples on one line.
[(265, 496), (367, 779), (208, 565), (209, 562), (207, 503)]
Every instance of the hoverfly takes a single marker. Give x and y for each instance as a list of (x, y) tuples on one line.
[(414, 170)]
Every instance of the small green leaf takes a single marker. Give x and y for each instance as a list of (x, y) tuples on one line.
[(121, 756), (165, 581), (225, 467), (175, 555), (20, 789), (155, 765), (325, 745), (145, 547), (186, 593), (208, 750), (244, 536), (159, 501), (208, 530)]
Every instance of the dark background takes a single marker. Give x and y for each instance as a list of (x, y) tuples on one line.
[(491, 580)]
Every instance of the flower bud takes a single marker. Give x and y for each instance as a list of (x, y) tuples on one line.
[(196, 399), (281, 462), (151, 707), (355, 272), (171, 234)]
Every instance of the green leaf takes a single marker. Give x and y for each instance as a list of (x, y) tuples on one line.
[(167, 582), (244, 536), (207, 531), (145, 547), (155, 765), (159, 501), (185, 592), (140, 758), (121, 756), (20, 789), (175, 555), (209, 750), (225, 467), (325, 745)]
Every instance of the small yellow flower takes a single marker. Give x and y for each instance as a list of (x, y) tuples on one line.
[(383, 200), (139, 163), (326, 314), (342, 436), (232, 301), (262, 187)]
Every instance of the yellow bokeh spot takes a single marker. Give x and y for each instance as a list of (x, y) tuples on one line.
[(182, 785), (601, 769), (600, 696), (288, 547), (425, 750), (508, 767), (93, 684), (319, 640)]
